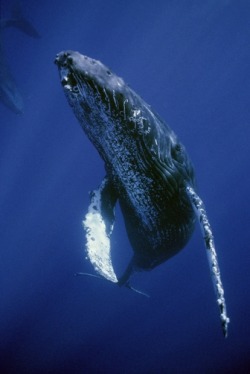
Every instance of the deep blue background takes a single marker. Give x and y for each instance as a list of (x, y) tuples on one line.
[(190, 60)]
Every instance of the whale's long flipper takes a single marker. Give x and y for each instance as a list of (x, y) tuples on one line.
[(212, 256), (98, 225)]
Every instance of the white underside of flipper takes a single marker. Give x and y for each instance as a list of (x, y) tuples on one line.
[(98, 242)]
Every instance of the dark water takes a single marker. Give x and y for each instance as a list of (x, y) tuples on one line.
[(190, 60)]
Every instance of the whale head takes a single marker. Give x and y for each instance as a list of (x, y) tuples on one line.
[(98, 97), (88, 82)]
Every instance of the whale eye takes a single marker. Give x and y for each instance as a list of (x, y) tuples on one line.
[(109, 72), (177, 153)]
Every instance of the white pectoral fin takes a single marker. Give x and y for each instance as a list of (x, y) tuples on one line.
[(212, 255), (98, 225)]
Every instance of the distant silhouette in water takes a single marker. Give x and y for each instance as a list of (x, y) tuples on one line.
[(9, 92)]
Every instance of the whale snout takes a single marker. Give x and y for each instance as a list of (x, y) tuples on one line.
[(84, 77), (73, 58), (63, 59), (88, 69)]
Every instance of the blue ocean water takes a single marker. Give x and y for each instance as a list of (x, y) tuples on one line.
[(189, 60)]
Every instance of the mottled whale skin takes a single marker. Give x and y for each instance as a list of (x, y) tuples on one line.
[(147, 169)]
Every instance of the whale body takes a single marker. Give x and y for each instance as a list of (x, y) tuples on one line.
[(148, 172)]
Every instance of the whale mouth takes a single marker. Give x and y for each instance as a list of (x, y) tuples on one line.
[(68, 81)]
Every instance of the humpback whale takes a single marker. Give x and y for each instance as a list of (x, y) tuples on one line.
[(148, 172), (9, 92)]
